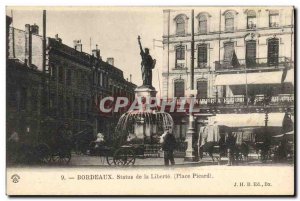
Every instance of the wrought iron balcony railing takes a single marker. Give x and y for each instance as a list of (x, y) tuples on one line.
[(240, 101), (253, 63)]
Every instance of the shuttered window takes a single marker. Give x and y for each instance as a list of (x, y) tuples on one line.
[(180, 26), (274, 18), (180, 57), (273, 52), (202, 24), (228, 51), (229, 22), (179, 88), (202, 55), (251, 19), (202, 89), (250, 53)]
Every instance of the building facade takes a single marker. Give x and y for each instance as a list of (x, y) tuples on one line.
[(59, 84), (243, 58)]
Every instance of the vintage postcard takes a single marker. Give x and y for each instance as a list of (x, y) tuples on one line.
[(150, 101)]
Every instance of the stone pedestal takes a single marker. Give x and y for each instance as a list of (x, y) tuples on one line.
[(145, 91)]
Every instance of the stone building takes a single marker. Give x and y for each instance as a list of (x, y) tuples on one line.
[(64, 85), (241, 55)]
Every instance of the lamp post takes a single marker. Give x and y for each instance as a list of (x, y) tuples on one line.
[(189, 156)]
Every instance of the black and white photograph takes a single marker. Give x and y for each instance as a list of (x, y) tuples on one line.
[(109, 100)]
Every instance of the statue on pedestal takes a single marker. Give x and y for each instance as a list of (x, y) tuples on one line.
[(147, 65)]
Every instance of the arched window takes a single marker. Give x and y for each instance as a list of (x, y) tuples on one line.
[(179, 88), (250, 53), (202, 24), (251, 19), (180, 21), (180, 57), (229, 22)]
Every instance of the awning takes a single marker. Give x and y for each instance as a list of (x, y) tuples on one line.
[(247, 120), (249, 78), (290, 77)]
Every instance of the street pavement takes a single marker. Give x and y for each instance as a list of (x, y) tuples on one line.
[(86, 160)]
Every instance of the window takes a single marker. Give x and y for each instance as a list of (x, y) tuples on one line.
[(61, 74), (180, 56), (180, 26), (229, 22), (202, 55), (273, 52), (273, 19), (228, 51), (69, 77), (202, 89), (251, 19), (250, 53), (179, 88), (53, 72), (202, 24)]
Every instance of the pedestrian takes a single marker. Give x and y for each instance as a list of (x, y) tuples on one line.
[(168, 146), (64, 138), (14, 145), (14, 137), (230, 144)]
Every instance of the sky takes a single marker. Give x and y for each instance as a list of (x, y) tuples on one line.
[(114, 30)]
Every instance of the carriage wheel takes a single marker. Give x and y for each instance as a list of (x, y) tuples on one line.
[(110, 160), (124, 156), (62, 158)]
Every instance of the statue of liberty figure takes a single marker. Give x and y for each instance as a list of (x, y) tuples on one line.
[(147, 65)]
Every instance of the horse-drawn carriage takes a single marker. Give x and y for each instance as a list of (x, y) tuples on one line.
[(266, 143), (213, 141), (137, 135)]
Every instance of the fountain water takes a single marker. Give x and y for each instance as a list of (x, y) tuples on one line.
[(142, 127)]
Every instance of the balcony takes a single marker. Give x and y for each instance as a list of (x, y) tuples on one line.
[(255, 64), (255, 101)]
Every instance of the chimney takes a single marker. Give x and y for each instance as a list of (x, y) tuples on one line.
[(28, 45), (110, 60), (96, 53), (77, 45), (34, 29), (130, 77)]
